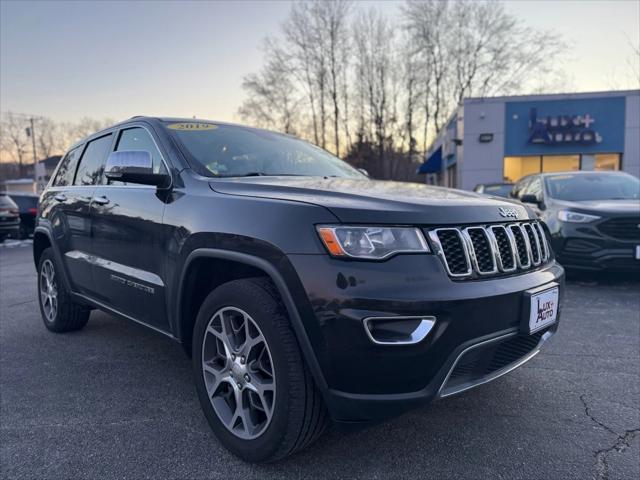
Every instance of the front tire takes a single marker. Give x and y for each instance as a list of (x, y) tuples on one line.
[(59, 312), (252, 382)]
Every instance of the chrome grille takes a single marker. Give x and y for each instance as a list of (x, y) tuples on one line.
[(490, 249)]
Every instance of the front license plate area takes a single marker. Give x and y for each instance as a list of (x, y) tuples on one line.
[(540, 308)]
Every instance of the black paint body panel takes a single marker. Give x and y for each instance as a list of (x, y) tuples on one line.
[(127, 250)]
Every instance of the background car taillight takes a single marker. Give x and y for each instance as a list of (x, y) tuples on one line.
[(33, 211)]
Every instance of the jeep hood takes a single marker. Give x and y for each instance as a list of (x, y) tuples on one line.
[(376, 202)]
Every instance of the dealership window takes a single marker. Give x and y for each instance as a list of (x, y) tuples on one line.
[(517, 167), (601, 161), (560, 163)]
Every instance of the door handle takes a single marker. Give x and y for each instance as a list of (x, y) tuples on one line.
[(60, 197), (102, 200)]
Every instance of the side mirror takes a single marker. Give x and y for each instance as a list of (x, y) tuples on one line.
[(364, 172), (134, 166), (528, 198)]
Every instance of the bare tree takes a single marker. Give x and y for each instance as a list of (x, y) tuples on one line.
[(14, 139), (301, 39), (374, 37), (473, 48), (332, 18), (48, 139), (271, 101)]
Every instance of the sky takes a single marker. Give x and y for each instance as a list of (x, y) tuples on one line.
[(68, 60)]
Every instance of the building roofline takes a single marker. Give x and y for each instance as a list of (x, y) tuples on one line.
[(552, 96)]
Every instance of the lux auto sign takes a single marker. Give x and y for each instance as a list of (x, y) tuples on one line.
[(562, 129)]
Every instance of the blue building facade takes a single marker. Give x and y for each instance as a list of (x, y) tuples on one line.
[(499, 139)]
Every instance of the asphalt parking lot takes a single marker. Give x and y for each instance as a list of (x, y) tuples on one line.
[(117, 401)]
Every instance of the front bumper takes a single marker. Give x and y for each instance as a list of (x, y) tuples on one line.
[(367, 381), (584, 247)]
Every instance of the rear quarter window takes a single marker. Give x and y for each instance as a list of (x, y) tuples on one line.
[(67, 168)]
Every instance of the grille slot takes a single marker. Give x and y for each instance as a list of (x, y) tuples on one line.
[(623, 228), (521, 246), (505, 248), (455, 254), (544, 248), (533, 243), (492, 249), (481, 249)]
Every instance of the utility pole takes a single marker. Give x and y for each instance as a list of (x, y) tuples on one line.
[(31, 133), (33, 143)]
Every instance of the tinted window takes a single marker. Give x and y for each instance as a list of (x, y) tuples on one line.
[(498, 190), (534, 188), (518, 190), (593, 186), (92, 162), (233, 151), (139, 139), (67, 169)]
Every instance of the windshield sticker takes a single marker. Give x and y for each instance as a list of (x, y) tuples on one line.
[(192, 126)]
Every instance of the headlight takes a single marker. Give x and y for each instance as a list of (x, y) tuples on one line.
[(371, 242), (575, 217)]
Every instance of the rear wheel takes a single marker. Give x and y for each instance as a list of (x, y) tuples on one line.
[(253, 385), (59, 312)]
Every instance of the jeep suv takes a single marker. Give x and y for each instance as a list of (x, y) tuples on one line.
[(302, 290)]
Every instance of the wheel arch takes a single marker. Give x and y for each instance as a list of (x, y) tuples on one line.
[(253, 265), (41, 241)]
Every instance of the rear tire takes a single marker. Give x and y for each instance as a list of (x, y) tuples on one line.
[(297, 412), (59, 312)]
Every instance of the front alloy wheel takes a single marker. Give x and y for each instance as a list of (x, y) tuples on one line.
[(252, 382), (238, 373)]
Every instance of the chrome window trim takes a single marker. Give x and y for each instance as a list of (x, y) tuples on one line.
[(433, 235)]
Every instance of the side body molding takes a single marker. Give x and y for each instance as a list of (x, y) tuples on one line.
[(276, 277)]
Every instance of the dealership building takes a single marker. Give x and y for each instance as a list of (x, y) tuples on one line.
[(497, 139)]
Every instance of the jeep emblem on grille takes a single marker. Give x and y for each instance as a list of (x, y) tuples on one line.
[(508, 212)]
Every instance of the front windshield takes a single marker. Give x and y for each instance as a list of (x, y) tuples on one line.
[(593, 186), (235, 151)]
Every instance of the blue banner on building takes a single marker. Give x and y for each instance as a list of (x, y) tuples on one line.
[(565, 126)]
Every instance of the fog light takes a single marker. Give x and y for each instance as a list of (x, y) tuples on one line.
[(398, 330)]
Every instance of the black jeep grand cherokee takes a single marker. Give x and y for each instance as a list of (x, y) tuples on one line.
[(302, 289)]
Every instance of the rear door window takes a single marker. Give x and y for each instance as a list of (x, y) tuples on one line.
[(92, 161), (67, 168)]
